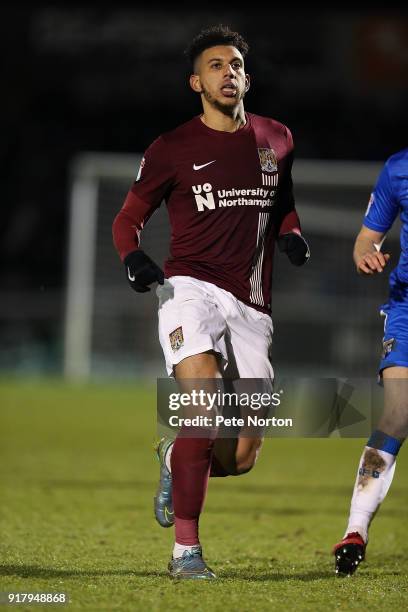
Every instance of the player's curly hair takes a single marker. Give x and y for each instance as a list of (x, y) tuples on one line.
[(216, 35)]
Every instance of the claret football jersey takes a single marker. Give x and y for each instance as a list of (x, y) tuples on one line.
[(228, 196)]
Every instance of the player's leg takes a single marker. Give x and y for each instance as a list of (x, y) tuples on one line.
[(189, 324), (184, 306), (190, 468), (376, 469), (377, 463), (191, 331), (248, 342), (234, 456)]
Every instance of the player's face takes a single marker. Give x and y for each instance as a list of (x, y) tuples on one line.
[(220, 77)]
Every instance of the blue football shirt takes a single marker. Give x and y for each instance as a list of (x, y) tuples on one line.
[(390, 198)]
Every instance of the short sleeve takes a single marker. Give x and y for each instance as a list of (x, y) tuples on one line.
[(383, 207)]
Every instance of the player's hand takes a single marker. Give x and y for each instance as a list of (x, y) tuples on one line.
[(372, 262), (141, 271), (296, 248)]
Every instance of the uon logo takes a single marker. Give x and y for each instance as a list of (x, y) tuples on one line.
[(206, 199)]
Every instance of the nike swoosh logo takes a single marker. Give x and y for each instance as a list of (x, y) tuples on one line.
[(130, 277), (195, 167), (168, 515)]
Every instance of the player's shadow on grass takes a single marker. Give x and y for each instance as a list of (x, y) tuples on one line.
[(136, 485), (274, 576), (214, 508), (324, 490), (234, 485), (34, 571), (245, 574)]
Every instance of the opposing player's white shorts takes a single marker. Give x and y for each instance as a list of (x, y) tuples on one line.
[(196, 316)]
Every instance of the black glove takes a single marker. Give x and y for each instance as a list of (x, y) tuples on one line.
[(296, 248), (141, 271)]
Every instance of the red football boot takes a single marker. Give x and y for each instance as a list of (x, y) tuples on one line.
[(349, 553)]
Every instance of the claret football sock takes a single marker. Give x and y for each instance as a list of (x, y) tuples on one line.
[(190, 467), (374, 477)]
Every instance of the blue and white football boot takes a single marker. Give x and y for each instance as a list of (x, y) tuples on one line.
[(191, 566), (163, 501)]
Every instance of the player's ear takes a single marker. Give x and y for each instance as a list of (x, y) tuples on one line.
[(195, 83), (247, 82)]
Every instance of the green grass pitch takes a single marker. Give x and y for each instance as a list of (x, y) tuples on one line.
[(78, 474)]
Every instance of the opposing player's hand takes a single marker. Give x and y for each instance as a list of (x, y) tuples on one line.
[(372, 262), (141, 271), (296, 248)]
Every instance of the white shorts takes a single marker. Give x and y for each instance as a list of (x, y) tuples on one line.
[(196, 316)]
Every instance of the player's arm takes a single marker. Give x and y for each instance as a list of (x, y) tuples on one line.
[(367, 256), (381, 212), (290, 239), (145, 196), (141, 271)]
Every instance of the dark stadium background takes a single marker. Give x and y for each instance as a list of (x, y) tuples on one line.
[(78, 471), (112, 79)]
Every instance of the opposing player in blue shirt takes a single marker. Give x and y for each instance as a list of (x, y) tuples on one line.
[(377, 464)]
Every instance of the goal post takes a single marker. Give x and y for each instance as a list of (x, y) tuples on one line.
[(86, 173)]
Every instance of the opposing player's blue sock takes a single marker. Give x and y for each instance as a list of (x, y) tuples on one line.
[(374, 477)]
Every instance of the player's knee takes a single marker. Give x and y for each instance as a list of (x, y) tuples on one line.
[(244, 466), (238, 465), (246, 460)]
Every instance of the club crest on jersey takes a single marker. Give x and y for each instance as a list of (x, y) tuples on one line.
[(268, 160), (388, 346), (176, 339)]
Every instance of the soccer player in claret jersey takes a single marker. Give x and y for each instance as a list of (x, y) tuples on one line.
[(225, 176), (377, 463)]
